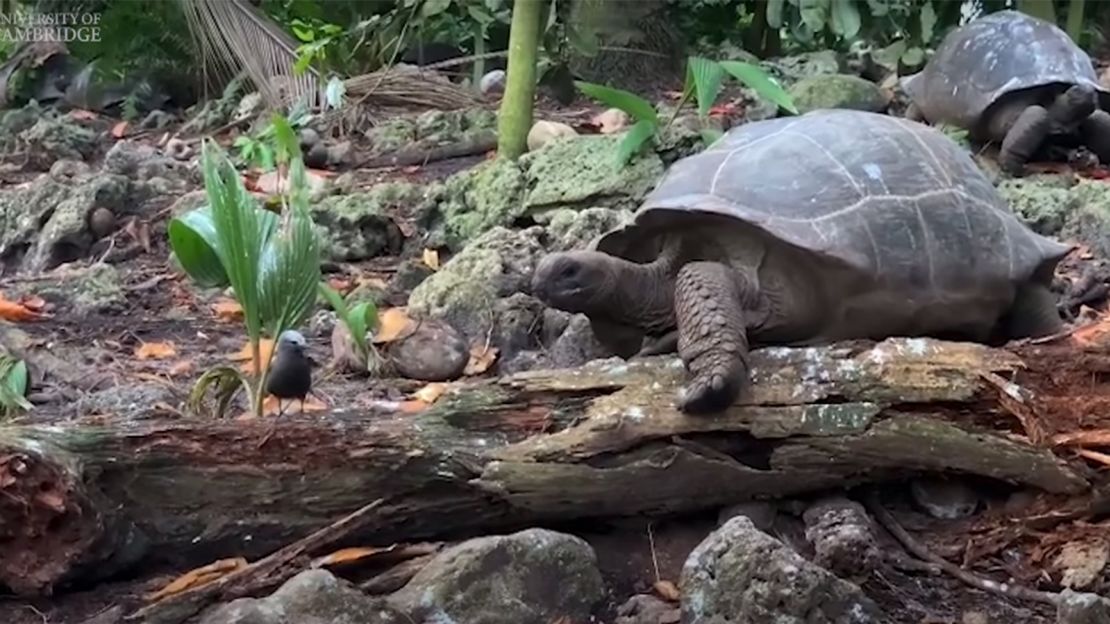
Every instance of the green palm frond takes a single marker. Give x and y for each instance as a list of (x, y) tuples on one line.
[(234, 36)]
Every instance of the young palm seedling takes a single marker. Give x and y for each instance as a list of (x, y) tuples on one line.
[(271, 262)]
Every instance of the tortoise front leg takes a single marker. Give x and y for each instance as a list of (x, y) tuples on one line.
[(712, 336), (1096, 135), (1023, 139)]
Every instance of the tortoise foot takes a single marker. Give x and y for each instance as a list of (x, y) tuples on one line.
[(713, 390)]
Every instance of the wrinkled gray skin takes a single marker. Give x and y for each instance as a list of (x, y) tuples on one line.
[(834, 225), (1015, 80)]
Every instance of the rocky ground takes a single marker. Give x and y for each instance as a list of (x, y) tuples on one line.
[(110, 326)]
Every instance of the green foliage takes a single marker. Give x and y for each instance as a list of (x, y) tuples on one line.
[(704, 80), (272, 264), (359, 319), (272, 143), (134, 35), (13, 386)]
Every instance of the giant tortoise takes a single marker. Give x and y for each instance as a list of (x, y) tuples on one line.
[(1013, 79), (833, 225)]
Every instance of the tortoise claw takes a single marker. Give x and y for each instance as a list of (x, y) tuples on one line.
[(713, 391)]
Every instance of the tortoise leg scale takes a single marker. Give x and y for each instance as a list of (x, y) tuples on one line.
[(712, 338)]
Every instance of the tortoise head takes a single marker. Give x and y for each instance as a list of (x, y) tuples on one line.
[(576, 281), (1075, 104)]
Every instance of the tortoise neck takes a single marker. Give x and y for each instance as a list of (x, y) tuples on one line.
[(644, 293)]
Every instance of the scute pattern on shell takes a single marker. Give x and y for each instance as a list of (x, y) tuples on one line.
[(894, 199), (992, 56)]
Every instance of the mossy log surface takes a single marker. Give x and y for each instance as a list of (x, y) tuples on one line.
[(86, 498)]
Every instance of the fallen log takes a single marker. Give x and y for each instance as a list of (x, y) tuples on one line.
[(540, 447)]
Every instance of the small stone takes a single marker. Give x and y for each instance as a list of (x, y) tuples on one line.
[(492, 82), (435, 351), (975, 617), (577, 345), (843, 537), (544, 132), (611, 120), (1082, 608), (339, 154), (648, 609), (761, 513), (102, 222), (178, 149), (946, 499)]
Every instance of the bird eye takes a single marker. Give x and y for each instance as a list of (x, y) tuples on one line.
[(569, 271)]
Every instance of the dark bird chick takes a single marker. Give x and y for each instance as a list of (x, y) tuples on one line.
[(290, 371)]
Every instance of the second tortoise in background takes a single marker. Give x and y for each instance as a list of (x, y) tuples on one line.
[(806, 230), (1015, 80)]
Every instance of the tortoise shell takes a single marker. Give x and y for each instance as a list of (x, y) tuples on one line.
[(991, 57), (894, 201)]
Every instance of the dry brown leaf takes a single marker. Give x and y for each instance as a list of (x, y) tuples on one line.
[(82, 115), (271, 183), (16, 312), (393, 324), (1093, 335), (227, 309), (155, 350), (349, 555), (265, 346), (431, 392), (292, 406), (481, 358), (184, 367), (197, 577), (412, 406), (431, 259), (667, 591), (342, 285), (119, 130)]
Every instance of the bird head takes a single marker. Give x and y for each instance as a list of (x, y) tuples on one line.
[(291, 341)]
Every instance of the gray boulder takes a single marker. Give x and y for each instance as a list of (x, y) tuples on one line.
[(740, 575), (534, 576)]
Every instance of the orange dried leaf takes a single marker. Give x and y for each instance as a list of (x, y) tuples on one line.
[(393, 324), (292, 406), (16, 312), (1094, 334), (155, 351), (1101, 458), (431, 392), (227, 309), (411, 169), (82, 115), (348, 555), (199, 576), (183, 367), (431, 259), (119, 129), (667, 591), (339, 284), (412, 406), (1091, 437), (481, 358), (265, 346)]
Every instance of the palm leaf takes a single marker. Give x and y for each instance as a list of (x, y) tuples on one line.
[(236, 35)]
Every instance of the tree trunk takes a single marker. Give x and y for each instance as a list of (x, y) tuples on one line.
[(520, 79), (600, 440)]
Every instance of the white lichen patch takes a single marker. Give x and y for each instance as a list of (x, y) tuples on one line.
[(635, 414)]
